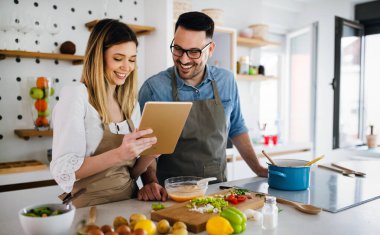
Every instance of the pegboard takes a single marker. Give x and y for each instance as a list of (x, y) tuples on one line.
[(58, 21)]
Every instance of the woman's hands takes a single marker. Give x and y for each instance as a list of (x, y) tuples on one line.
[(134, 143)]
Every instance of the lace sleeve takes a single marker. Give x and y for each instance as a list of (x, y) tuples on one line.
[(69, 138)]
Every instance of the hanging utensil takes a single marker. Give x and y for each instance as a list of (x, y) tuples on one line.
[(356, 173), (269, 158), (314, 160)]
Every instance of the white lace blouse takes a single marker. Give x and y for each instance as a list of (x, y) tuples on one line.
[(77, 133)]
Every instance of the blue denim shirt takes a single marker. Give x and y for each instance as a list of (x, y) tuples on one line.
[(159, 88)]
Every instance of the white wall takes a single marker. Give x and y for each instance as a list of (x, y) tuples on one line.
[(16, 114)]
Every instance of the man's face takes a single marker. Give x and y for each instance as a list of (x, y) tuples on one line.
[(191, 69)]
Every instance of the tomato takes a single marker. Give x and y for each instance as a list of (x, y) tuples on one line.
[(232, 198), (241, 198)]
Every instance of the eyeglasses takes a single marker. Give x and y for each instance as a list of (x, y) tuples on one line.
[(193, 53)]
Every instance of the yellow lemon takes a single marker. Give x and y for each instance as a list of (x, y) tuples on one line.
[(218, 225), (147, 225)]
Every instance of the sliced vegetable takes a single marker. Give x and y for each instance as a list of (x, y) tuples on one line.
[(158, 206)]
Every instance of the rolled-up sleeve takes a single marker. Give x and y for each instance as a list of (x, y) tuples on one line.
[(69, 138)]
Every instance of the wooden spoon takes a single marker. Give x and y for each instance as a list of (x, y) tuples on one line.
[(343, 172), (305, 208), (90, 223), (269, 158)]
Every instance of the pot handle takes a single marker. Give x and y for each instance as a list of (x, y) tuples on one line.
[(278, 173)]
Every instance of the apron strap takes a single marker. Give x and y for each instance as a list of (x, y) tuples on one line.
[(174, 87), (175, 91), (216, 93), (130, 125)]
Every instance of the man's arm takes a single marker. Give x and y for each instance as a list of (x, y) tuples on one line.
[(152, 190), (245, 148)]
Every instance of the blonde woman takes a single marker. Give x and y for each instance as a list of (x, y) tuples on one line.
[(95, 144)]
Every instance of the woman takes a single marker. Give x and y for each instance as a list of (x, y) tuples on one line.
[(95, 145)]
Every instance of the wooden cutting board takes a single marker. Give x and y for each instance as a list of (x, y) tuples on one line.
[(21, 166), (195, 221)]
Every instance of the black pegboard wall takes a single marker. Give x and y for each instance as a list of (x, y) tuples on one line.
[(42, 26)]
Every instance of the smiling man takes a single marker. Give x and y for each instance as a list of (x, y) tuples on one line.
[(215, 115)]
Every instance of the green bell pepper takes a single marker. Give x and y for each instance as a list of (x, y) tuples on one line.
[(236, 219)]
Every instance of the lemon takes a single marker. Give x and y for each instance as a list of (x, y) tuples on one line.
[(147, 225), (218, 225)]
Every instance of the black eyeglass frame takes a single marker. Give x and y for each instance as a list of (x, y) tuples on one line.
[(198, 50)]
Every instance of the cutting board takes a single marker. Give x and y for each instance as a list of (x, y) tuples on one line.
[(195, 221)]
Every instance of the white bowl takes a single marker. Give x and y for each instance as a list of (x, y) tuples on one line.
[(54, 224)]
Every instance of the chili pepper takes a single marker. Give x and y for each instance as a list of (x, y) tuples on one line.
[(236, 218)]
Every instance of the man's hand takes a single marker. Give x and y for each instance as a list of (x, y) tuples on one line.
[(262, 172), (152, 192)]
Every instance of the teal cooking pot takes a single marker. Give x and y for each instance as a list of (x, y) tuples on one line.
[(289, 174)]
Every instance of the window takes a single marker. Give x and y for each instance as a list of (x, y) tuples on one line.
[(347, 84)]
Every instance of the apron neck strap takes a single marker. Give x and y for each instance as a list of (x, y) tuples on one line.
[(130, 125), (175, 91)]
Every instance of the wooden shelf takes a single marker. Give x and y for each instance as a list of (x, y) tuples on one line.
[(27, 133), (254, 77), (76, 59), (140, 30), (254, 42), (21, 166)]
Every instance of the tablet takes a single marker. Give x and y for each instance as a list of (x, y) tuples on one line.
[(167, 120)]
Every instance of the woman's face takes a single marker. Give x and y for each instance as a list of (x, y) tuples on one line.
[(120, 61)]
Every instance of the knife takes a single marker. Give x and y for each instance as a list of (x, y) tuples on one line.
[(357, 173)]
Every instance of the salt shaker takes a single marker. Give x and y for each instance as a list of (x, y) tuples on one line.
[(270, 213)]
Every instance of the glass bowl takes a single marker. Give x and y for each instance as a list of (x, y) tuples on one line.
[(184, 188)]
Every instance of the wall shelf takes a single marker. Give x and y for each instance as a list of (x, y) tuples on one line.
[(254, 42), (254, 77), (76, 59), (27, 133), (140, 30)]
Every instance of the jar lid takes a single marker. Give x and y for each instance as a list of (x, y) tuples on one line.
[(270, 199)]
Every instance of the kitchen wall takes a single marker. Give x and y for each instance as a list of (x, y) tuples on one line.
[(71, 16), (281, 15)]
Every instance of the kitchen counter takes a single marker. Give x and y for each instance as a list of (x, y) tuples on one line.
[(362, 219)]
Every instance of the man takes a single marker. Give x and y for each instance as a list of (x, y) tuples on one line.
[(215, 114)]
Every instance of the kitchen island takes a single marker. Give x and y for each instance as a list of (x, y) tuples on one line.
[(362, 219)]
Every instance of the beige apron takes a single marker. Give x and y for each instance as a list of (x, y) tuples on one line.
[(201, 148), (113, 184)]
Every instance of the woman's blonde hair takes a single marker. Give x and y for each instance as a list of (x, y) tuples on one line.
[(105, 34)]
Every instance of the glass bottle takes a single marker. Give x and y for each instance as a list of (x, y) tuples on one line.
[(270, 213)]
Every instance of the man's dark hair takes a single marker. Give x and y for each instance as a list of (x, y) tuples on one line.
[(196, 21)]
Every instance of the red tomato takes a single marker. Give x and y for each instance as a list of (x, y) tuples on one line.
[(241, 198)]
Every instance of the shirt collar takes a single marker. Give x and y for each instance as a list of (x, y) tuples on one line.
[(180, 83)]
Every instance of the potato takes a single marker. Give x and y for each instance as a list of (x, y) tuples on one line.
[(119, 220), (163, 227), (180, 231), (178, 225), (134, 218)]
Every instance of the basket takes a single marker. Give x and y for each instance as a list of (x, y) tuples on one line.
[(181, 6), (215, 14), (259, 30)]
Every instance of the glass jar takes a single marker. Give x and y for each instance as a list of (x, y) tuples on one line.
[(270, 213), (244, 65)]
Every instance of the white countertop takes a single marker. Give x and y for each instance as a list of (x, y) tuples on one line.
[(362, 219)]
